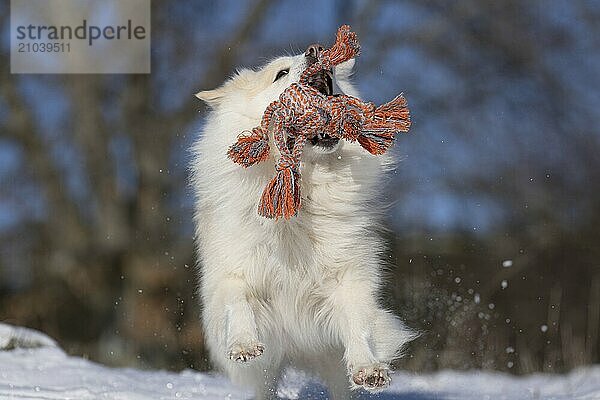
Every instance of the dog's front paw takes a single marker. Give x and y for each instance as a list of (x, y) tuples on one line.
[(374, 377), (244, 352)]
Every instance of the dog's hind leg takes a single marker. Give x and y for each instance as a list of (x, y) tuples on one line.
[(259, 376), (331, 370)]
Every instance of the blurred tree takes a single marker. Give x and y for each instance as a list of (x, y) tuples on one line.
[(109, 259), (95, 220), (518, 139)]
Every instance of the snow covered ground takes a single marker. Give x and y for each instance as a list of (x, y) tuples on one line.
[(47, 373)]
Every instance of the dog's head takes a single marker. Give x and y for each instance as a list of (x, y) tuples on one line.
[(250, 91)]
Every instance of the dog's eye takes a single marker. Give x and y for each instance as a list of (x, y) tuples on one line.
[(281, 74)]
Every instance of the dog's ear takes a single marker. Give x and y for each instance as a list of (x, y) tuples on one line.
[(210, 97), (342, 74), (345, 69)]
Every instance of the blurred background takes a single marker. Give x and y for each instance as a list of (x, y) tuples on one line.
[(494, 224)]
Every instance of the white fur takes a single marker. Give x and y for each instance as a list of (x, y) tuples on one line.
[(306, 288)]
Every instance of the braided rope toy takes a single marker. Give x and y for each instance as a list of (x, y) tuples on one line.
[(301, 113)]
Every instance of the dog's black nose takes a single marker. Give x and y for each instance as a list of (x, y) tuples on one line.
[(313, 50)]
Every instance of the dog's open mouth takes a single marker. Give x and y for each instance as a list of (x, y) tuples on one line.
[(325, 141), (324, 84)]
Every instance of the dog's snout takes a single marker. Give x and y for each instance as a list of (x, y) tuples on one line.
[(314, 50)]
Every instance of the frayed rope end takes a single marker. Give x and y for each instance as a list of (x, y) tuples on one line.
[(251, 149), (379, 131), (281, 197)]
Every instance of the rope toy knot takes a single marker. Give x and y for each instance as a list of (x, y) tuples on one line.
[(250, 149)]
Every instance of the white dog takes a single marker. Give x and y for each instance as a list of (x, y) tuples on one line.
[(300, 292)]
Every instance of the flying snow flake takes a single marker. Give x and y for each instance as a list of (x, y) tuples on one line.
[(504, 284), (507, 263), (477, 298), (544, 328)]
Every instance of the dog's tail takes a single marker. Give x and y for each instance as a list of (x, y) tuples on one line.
[(250, 149), (380, 128)]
